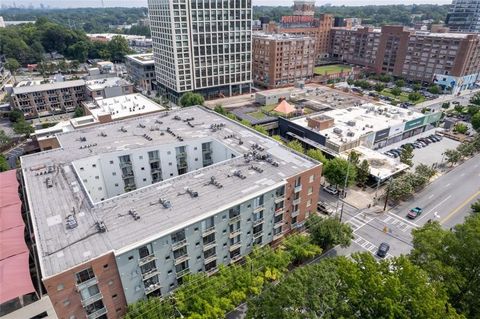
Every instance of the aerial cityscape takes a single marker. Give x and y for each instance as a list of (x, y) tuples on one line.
[(210, 159)]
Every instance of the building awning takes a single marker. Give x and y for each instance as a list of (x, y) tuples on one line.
[(285, 108), (15, 280)]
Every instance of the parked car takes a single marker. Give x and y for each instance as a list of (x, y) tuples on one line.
[(438, 136), (383, 250), (414, 212), (331, 190), (323, 208), (396, 151)]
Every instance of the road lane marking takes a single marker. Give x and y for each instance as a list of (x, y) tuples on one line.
[(433, 208), (447, 185), (430, 196), (468, 200), (403, 219)]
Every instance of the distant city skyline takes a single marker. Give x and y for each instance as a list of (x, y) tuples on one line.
[(143, 3)]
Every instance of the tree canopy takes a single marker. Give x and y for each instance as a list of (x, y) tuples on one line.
[(335, 172), (190, 99), (329, 232)]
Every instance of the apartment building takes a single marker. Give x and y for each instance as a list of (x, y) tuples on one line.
[(135, 205), (108, 87), (282, 60), (141, 70), (48, 99), (464, 16), (448, 59), (202, 46)]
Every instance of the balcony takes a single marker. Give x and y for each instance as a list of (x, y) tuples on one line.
[(150, 274), (298, 188), (278, 236), (208, 231), (279, 223), (295, 213), (210, 259), (235, 219), (129, 175), (235, 258), (235, 246), (179, 244), (181, 259), (152, 288), (125, 164), (297, 201), (279, 199), (91, 299), (279, 211), (154, 159), (235, 233), (258, 234), (146, 259), (183, 272), (258, 222), (209, 245), (97, 313), (87, 283), (212, 271), (258, 209)]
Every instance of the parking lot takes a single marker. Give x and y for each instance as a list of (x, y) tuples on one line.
[(428, 155)]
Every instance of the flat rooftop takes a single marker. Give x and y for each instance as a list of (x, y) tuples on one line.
[(47, 86), (279, 37), (146, 58), (61, 248), (123, 106), (100, 84), (353, 122)]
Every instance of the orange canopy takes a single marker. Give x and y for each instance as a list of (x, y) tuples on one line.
[(284, 107)]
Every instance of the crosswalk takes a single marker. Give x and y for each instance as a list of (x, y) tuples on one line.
[(368, 246), (398, 223), (358, 221)]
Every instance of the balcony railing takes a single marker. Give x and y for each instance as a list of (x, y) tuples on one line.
[(295, 213), (279, 223), (212, 271), (179, 244), (279, 211), (155, 159), (152, 288), (258, 208), (235, 246), (278, 236), (296, 201), (210, 259), (298, 188), (279, 199), (208, 231), (258, 234), (150, 274), (235, 258), (235, 219), (235, 233), (258, 221), (181, 259), (125, 164), (146, 259), (97, 313), (87, 283), (91, 299), (209, 245), (127, 175), (183, 272)]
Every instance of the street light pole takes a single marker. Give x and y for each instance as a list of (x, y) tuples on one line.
[(344, 186), (388, 193)]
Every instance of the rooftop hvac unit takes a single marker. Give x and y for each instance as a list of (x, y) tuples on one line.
[(350, 134), (337, 130), (351, 123)]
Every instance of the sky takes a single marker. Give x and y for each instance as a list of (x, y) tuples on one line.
[(143, 3)]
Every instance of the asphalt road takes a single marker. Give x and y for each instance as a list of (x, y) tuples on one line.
[(447, 200)]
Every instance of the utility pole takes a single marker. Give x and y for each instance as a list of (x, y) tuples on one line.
[(388, 193), (341, 212)]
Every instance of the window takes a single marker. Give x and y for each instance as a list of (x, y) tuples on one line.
[(84, 275), (94, 165), (312, 177), (111, 162), (105, 266), (114, 173), (309, 203), (130, 257), (142, 168), (60, 287), (310, 190), (66, 302), (144, 251), (97, 177)]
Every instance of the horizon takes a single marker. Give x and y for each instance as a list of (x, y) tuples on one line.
[(53, 4)]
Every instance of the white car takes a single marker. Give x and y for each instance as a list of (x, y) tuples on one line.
[(331, 190)]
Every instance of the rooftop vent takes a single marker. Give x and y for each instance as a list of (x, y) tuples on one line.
[(141, 125), (123, 129), (213, 181), (165, 203), (216, 127), (351, 123), (49, 182), (71, 222), (255, 146), (101, 228), (148, 138), (158, 122), (239, 174), (189, 119), (256, 169), (134, 214), (337, 130), (177, 118), (83, 139), (103, 134)]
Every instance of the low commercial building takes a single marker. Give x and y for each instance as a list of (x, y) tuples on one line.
[(108, 87), (281, 59), (451, 60), (135, 205), (48, 99), (371, 125), (141, 70)]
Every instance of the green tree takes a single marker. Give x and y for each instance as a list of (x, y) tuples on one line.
[(329, 232), (12, 65), (152, 308), (475, 99), (414, 96), (118, 48), (451, 260), (23, 127), (79, 51), (354, 157), (379, 87), (417, 87), (434, 89), (452, 156), (445, 105), (3, 164), (299, 246), (295, 145), (406, 155), (220, 109), (396, 91), (79, 112), (459, 108), (476, 121), (476, 207), (425, 171), (191, 99), (260, 129), (318, 155), (335, 172), (400, 83), (466, 149), (15, 115), (363, 171), (461, 128), (277, 138), (399, 188), (4, 139)]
